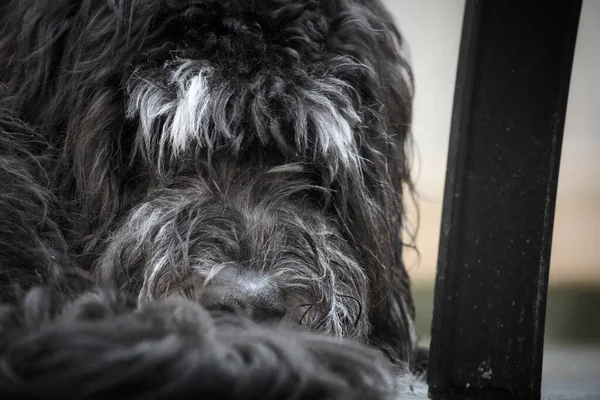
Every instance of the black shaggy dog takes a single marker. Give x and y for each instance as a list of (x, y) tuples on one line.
[(246, 155), (69, 340)]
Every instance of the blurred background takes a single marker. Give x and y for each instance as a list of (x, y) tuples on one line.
[(432, 30)]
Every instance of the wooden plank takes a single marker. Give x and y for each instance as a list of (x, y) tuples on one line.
[(506, 135)]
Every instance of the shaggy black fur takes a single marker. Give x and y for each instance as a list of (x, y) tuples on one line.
[(68, 341), (248, 155), (32, 248), (97, 348)]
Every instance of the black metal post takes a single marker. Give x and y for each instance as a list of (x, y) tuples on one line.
[(506, 136)]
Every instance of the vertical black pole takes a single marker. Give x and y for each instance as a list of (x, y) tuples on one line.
[(506, 136)]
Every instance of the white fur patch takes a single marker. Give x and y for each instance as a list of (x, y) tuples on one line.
[(334, 123), (182, 105), (194, 95), (187, 108)]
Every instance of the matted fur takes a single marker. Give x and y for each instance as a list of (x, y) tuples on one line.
[(97, 348), (70, 341), (33, 250), (247, 155)]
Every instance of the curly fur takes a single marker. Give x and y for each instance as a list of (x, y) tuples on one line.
[(33, 250), (248, 155), (258, 221), (97, 348)]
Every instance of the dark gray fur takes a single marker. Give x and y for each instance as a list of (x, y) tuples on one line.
[(97, 348), (248, 155), (33, 250)]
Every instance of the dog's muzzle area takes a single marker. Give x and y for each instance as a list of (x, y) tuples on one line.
[(248, 242)]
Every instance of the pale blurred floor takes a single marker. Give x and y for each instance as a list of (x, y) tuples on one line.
[(570, 373)]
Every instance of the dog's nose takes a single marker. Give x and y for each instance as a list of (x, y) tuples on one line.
[(246, 293)]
